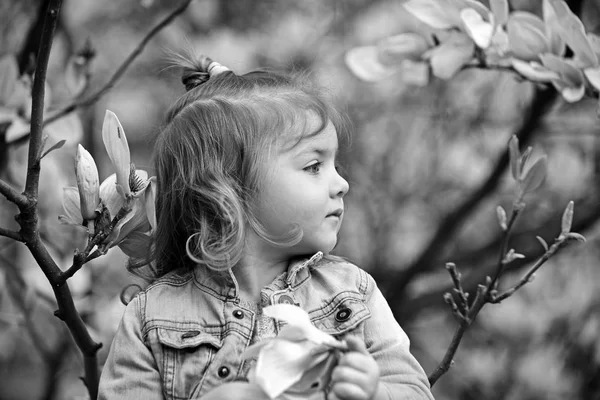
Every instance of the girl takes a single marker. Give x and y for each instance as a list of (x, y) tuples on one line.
[(249, 205)]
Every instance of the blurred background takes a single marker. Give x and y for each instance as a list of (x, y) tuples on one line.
[(416, 156)]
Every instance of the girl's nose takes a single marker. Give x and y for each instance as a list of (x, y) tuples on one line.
[(340, 186)]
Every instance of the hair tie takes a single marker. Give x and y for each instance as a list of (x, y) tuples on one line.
[(205, 69)]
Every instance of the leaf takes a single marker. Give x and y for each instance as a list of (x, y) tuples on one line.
[(573, 33), (364, 63), (394, 49), (542, 242), (135, 245), (449, 57), (552, 29), (524, 159), (501, 214), (567, 218), (477, 28), (576, 236), (499, 11), (535, 176), (56, 146), (534, 71), (526, 36), (9, 74), (514, 157), (437, 14)]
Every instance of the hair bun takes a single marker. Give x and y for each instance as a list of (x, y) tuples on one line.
[(203, 68)]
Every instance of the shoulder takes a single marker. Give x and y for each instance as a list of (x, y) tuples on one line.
[(341, 275)]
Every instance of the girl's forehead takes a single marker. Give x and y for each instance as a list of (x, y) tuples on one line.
[(304, 132)]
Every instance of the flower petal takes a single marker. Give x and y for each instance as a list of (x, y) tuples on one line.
[(477, 28), (87, 182), (448, 58), (151, 202), (136, 244), (71, 207), (280, 364), (435, 13), (117, 148), (534, 71), (364, 63), (109, 195), (526, 36), (394, 49)]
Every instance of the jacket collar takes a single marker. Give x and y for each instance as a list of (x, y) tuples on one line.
[(224, 285)]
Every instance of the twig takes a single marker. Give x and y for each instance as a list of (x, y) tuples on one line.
[(528, 277), (13, 195), (122, 68), (543, 100), (11, 234)]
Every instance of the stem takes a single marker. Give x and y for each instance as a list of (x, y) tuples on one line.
[(11, 234), (13, 195), (122, 68)]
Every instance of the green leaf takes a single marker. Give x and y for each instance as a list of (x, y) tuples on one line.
[(573, 33), (526, 36), (567, 218), (435, 13), (514, 157), (448, 58), (524, 158), (576, 236), (535, 176), (499, 11)]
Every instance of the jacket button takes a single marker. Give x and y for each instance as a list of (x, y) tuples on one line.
[(223, 372), (239, 314), (343, 314), (285, 299)]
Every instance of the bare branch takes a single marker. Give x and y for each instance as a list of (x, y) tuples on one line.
[(122, 68), (528, 277), (11, 234), (13, 195), (543, 100)]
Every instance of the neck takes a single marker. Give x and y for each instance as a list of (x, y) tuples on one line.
[(257, 268)]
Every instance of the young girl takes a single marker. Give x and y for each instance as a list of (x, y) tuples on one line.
[(249, 205)]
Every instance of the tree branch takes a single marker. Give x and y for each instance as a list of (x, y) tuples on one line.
[(122, 68), (12, 195), (11, 234), (543, 100)]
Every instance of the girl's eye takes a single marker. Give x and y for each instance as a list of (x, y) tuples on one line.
[(314, 168)]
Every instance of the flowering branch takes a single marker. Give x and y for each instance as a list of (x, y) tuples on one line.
[(528, 179), (122, 68)]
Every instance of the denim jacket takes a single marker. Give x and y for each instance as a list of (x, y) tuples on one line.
[(184, 334)]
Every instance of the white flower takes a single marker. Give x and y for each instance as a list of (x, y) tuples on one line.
[(299, 352)]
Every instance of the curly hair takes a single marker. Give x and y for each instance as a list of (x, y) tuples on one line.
[(208, 159)]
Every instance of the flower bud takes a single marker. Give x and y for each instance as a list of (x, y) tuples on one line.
[(87, 183)]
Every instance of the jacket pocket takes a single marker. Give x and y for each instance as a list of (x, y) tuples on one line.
[(186, 354), (340, 314)]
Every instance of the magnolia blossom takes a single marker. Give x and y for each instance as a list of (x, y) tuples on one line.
[(289, 365), (127, 187)]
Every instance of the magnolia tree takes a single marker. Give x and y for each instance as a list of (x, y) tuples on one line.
[(458, 34), (119, 211)]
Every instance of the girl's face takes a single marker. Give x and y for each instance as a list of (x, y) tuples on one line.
[(303, 188)]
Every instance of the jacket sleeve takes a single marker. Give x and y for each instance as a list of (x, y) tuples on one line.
[(401, 376), (130, 370)]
